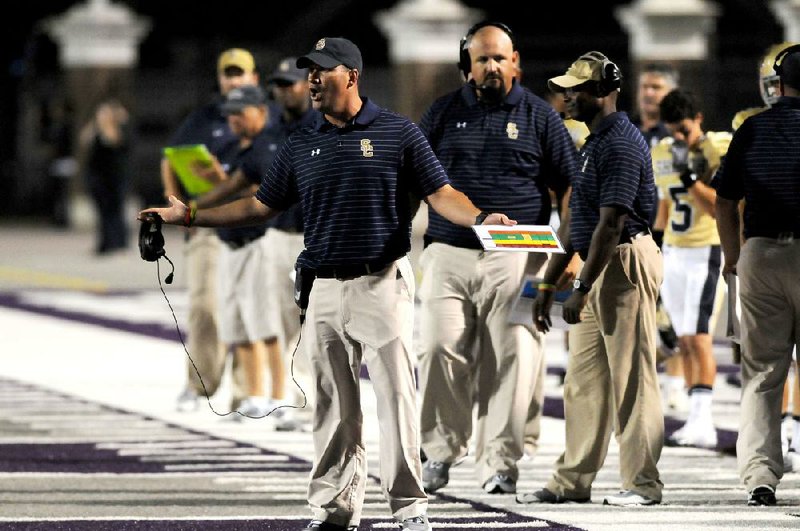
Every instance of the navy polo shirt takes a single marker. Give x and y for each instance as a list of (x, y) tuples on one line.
[(763, 167), (355, 185), (615, 171), (503, 157), (250, 161)]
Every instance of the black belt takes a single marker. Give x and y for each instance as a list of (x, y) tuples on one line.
[(352, 270), (238, 243)]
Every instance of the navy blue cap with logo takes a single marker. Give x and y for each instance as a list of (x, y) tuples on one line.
[(245, 96), (330, 52)]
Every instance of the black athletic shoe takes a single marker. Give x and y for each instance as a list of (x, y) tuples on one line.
[(762, 495)]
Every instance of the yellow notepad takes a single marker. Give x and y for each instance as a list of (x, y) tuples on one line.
[(183, 160)]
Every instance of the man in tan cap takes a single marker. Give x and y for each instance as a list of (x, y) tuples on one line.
[(611, 384), (206, 125)]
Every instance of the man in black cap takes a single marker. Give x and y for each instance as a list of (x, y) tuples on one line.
[(761, 167), (354, 172)]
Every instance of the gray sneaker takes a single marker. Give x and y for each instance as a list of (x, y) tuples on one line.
[(435, 475), (418, 523), (547, 496), (500, 484)]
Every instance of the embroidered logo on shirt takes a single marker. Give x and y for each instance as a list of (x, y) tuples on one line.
[(366, 147), (216, 133), (314, 152), (461, 125), (512, 131)]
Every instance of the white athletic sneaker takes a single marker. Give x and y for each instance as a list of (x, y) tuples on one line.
[(700, 435), (188, 401), (253, 406), (628, 498)]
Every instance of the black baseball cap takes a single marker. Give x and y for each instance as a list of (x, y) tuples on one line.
[(287, 72), (330, 52), (241, 97)]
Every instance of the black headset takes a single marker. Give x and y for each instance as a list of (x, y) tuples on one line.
[(151, 241), (610, 74), (464, 60), (778, 66)]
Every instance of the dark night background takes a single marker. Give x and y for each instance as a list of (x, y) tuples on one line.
[(186, 36)]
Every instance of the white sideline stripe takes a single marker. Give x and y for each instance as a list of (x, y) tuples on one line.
[(234, 465), (223, 450), (86, 439), (189, 443), (215, 458)]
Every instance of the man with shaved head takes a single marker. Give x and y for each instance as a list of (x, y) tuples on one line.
[(503, 146)]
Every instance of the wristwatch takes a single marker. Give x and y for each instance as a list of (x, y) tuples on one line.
[(580, 285), (480, 218)]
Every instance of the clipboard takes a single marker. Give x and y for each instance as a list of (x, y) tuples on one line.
[(522, 310), (182, 159), (519, 238)]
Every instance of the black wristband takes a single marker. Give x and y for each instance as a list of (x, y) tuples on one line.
[(480, 218), (688, 178)]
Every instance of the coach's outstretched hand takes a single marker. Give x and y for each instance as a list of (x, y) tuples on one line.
[(175, 214)]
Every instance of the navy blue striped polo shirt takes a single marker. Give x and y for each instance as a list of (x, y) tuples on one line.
[(503, 157), (763, 167), (615, 171), (355, 186)]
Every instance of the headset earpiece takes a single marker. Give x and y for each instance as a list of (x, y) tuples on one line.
[(464, 60), (778, 66), (612, 78), (610, 74)]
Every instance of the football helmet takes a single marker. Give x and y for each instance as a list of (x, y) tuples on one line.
[(768, 80)]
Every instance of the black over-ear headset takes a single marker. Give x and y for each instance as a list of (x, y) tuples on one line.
[(464, 61), (778, 66), (610, 74)]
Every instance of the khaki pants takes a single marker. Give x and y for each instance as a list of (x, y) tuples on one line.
[(465, 334), (207, 351), (770, 297), (369, 317), (611, 381), (281, 251)]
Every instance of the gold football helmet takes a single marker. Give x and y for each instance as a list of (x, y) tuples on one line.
[(768, 79)]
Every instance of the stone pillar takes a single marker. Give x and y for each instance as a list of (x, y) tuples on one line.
[(788, 14), (678, 32), (98, 51), (423, 47)]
